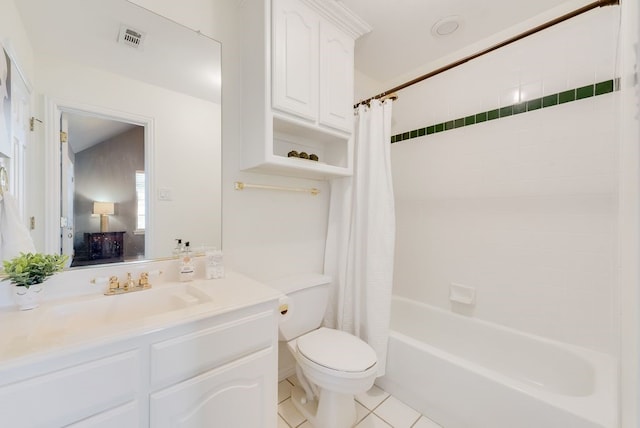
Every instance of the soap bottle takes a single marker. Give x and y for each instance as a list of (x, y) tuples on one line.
[(186, 265), (179, 248), (214, 264)]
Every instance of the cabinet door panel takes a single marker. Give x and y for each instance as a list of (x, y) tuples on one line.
[(336, 78), (126, 416), (295, 59), (71, 394), (238, 395)]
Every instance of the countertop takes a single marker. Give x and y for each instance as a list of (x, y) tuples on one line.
[(32, 335)]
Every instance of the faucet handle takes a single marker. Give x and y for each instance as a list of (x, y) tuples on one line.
[(113, 284), (143, 281)]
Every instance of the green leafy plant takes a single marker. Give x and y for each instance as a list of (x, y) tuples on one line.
[(32, 268)]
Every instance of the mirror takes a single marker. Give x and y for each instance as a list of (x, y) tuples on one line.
[(118, 62)]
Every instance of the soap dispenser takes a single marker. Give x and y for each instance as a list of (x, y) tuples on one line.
[(179, 248), (186, 265)]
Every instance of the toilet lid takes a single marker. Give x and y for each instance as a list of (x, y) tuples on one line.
[(336, 350)]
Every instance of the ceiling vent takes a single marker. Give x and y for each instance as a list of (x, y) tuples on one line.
[(130, 37)]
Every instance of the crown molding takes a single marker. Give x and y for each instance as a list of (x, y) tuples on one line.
[(339, 14)]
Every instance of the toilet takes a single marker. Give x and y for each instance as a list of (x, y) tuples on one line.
[(332, 366)]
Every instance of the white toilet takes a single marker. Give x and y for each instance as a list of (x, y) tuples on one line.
[(331, 365)]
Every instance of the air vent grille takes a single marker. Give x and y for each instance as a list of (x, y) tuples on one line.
[(131, 37)]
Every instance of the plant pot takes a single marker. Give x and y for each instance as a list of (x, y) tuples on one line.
[(27, 297)]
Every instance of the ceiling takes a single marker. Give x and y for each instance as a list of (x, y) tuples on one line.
[(401, 43), (87, 131)]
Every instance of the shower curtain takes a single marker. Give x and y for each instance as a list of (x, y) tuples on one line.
[(361, 235)]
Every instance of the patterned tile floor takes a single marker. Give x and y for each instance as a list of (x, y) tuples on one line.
[(375, 409)]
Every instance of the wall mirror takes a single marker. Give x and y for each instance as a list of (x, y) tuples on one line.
[(139, 99)]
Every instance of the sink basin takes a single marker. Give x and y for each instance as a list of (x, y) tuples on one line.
[(105, 311)]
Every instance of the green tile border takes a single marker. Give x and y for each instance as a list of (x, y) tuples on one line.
[(576, 94)]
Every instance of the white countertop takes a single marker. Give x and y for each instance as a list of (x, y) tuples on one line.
[(42, 332)]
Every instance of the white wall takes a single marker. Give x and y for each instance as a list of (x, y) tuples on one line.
[(14, 38), (629, 227), (522, 208)]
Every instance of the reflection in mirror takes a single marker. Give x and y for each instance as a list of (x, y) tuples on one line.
[(103, 172), (169, 86)]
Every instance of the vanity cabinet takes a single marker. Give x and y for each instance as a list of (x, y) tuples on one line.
[(298, 62), (197, 373), (230, 396), (59, 393)]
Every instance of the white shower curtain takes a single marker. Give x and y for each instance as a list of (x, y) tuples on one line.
[(361, 235)]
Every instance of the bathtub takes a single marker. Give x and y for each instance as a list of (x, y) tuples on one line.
[(466, 373)]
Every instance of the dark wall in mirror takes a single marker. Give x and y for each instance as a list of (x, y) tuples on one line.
[(110, 172)]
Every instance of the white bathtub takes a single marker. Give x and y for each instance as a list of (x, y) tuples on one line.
[(467, 373)]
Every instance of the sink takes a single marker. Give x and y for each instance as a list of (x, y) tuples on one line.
[(105, 311)]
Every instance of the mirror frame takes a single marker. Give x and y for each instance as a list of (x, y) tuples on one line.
[(52, 207)]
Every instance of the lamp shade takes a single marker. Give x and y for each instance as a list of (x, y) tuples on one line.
[(103, 208)]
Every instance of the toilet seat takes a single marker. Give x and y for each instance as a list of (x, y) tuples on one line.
[(336, 351)]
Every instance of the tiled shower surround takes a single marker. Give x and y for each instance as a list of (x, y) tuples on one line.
[(505, 179), (567, 96)]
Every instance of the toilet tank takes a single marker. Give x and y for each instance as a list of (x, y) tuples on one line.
[(307, 296)]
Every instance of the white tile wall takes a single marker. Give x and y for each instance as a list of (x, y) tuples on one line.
[(522, 208)]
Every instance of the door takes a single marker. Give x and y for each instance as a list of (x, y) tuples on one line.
[(295, 59), (67, 191), (20, 114), (216, 398), (336, 78)]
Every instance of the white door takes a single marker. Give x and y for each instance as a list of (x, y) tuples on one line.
[(20, 114), (67, 191), (336, 78), (295, 59)]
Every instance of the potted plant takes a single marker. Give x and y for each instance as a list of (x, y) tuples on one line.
[(27, 272)]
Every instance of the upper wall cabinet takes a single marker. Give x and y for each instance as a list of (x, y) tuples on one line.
[(298, 86), (295, 59)]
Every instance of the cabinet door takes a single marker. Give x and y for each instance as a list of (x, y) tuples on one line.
[(336, 78), (241, 394), (126, 416), (295, 59)]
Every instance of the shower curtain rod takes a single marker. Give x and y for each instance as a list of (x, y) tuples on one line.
[(562, 18)]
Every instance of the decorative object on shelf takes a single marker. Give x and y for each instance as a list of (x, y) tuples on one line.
[(304, 155), (27, 273), (104, 209), (313, 157), (293, 154)]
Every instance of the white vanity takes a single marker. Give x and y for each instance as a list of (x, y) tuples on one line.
[(197, 354)]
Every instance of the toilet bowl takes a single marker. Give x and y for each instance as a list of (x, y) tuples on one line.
[(331, 365)]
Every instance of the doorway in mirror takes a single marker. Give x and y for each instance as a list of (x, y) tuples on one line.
[(102, 189)]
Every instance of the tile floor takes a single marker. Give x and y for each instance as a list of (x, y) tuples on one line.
[(375, 409)]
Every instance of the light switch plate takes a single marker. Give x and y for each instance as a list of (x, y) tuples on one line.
[(164, 194)]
